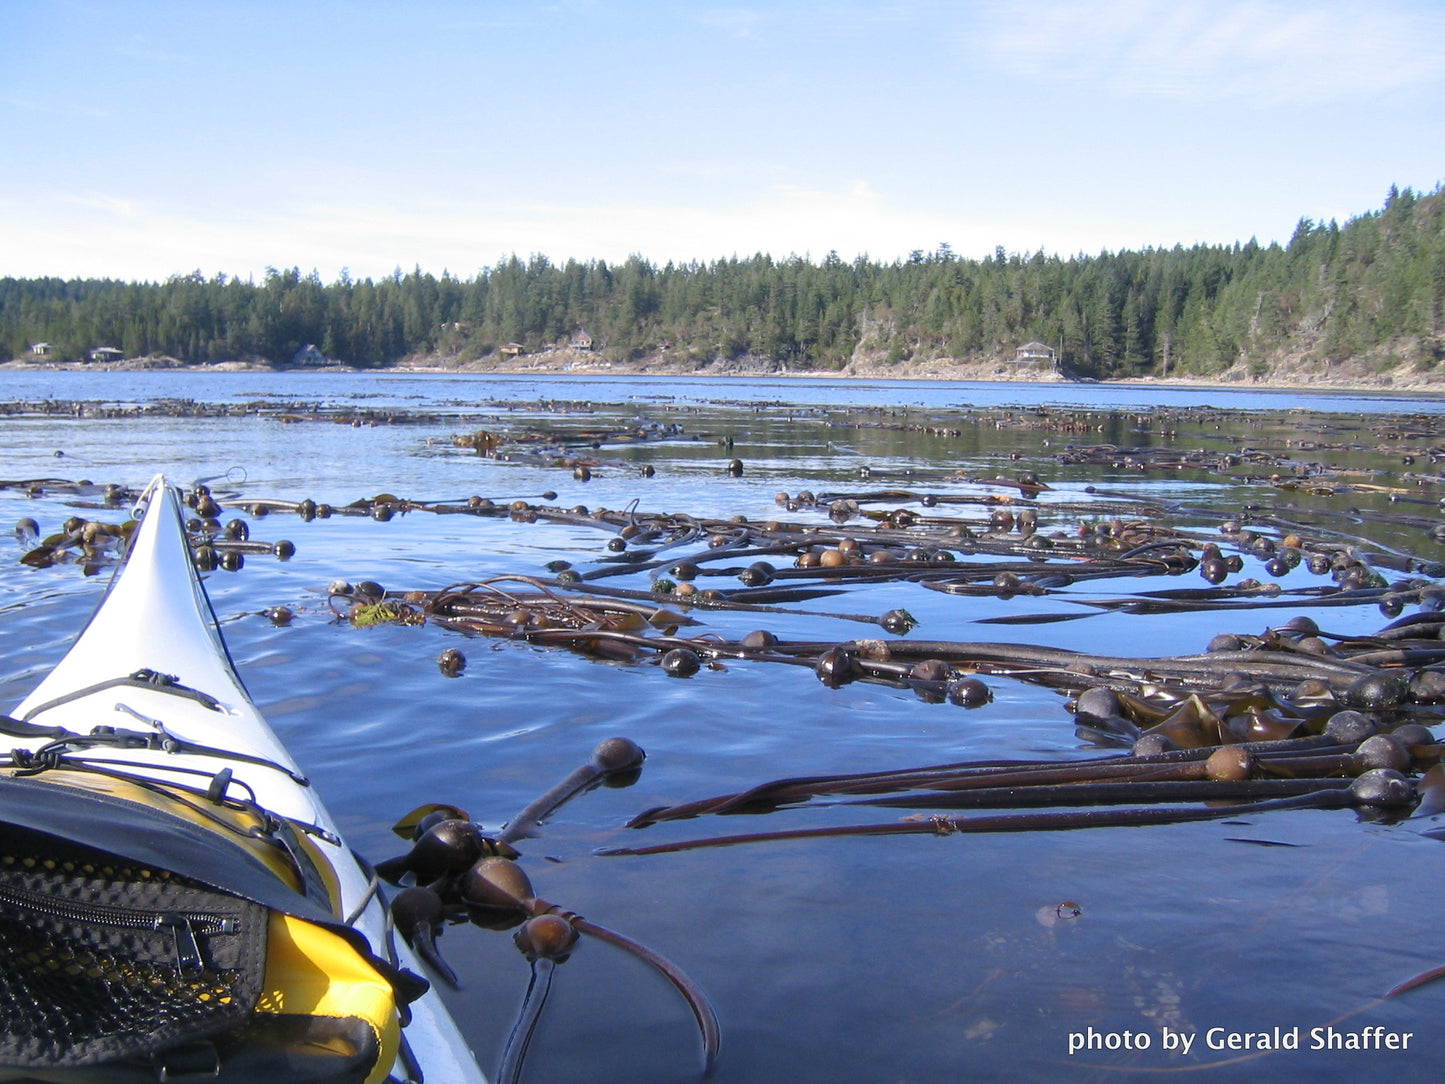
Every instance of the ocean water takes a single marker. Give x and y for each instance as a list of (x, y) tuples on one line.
[(889, 958)]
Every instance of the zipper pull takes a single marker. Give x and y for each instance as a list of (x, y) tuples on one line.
[(188, 949)]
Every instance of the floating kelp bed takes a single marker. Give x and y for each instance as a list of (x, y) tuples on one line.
[(1283, 719), (831, 671), (946, 554), (1002, 552), (1350, 763), (95, 543), (1367, 672)]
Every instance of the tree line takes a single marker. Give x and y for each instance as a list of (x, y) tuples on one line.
[(1374, 287)]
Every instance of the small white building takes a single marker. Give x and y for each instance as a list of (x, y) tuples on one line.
[(1036, 353), (40, 350), (309, 355), (105, 355), (581, 340)]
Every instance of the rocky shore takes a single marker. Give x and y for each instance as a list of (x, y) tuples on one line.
[(1363, 374), (1294, 372)]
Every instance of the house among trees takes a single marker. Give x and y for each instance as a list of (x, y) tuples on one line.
[(40, 350), (309, 355), (512, 350), (1036, 353), (581, 340), (105, 354)]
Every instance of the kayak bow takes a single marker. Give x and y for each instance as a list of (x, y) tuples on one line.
[(174, 898)]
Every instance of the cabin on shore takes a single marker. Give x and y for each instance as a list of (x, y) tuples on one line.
[(512, 350), (581, 340), (105, 355), (309, 355), (1037, 353), (40, 350)]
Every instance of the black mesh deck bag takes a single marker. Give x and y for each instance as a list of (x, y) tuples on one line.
[(104, 960)]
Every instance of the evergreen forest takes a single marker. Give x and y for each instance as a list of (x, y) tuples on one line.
[(1372, 290)]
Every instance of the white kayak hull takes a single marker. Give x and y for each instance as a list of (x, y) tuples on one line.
[(156, 619)]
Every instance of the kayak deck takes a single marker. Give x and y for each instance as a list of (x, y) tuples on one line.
[(143, 742)]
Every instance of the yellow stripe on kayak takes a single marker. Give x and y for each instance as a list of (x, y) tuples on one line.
[(311, 971)]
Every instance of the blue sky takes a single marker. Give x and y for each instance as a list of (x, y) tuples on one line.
[(147, 139)]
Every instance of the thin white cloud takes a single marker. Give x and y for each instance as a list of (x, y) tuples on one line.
[(139, 47), (1265, 50), (739, 22)]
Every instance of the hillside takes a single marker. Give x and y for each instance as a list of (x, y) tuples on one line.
[(1362, 303)]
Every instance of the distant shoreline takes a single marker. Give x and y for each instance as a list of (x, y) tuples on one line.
[(576, 364)]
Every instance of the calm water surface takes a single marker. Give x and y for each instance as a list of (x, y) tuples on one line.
[(910, 958)]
